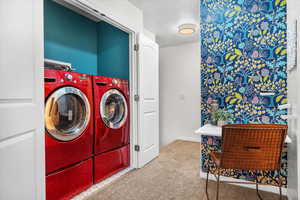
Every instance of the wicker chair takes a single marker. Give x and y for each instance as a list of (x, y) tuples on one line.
[(252, 147)]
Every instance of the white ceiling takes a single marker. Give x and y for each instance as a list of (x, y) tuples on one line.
[(162, 17)]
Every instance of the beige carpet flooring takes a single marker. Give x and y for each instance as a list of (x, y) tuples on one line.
[(174, 175)]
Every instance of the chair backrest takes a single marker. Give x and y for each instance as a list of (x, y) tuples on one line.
[(252, 146)]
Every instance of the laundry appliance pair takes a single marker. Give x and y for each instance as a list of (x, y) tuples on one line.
[(87, 131)]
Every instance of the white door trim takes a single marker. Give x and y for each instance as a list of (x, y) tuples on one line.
[(39, 99)]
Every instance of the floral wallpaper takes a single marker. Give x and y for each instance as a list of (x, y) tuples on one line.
[(244, 54), (244, 57)]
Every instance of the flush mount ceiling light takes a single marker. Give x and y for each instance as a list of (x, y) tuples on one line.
[(187, 29)]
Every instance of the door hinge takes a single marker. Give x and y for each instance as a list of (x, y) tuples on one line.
[(137, 147), (136, 97), (136, 47)]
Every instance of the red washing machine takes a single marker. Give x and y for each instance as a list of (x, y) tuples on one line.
[(111, 114), (69, 133)]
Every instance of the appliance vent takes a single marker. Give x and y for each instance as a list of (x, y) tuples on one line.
[(57, 65)]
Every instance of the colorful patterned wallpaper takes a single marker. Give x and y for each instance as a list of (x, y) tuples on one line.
[(244, 54), (243, 51)]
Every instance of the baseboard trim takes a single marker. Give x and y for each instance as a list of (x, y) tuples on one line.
[(292, 194), (101, 184), (190, 139), (267, 188)]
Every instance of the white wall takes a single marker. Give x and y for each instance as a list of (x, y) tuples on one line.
[(121, 11), (293, 99), (179, 92), (149, 34)]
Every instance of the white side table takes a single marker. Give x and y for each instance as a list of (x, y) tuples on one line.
[(211, 130)]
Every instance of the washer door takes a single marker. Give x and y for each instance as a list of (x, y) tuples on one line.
[(113, 109), (67, 113)]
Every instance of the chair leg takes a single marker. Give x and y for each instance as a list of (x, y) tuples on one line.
[(280, 185), (206, 186), (257, 191), (218, 184)]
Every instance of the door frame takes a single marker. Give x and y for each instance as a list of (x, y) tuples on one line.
[(89, 10)]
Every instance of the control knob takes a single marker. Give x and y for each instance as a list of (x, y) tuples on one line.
[(69, 77)]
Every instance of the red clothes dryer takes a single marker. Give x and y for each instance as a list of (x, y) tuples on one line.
[(69, 133), (111, 114)]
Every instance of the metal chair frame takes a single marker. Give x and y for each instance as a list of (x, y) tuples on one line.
[(217, 176)]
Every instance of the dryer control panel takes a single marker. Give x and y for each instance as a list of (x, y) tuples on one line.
[(58, 76)]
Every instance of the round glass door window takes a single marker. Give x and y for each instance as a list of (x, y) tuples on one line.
[(113, 109), (67, 113)]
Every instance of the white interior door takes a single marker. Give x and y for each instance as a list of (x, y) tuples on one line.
[(21, 100), (148, 117)]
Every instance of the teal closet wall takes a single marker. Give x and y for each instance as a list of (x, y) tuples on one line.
[(92, 48), (70, 37), (113, 60)]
